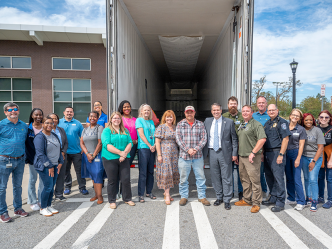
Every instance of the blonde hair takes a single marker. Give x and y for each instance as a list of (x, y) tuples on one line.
[(140, 111), (167, 114), (299, 111), (121, 126)]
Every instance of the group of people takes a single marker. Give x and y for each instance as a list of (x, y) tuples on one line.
[(261, 146)]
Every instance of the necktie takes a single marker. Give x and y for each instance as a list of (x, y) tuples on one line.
[(216, 137)]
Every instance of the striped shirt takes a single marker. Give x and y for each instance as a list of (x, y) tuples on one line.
[(188, 137)]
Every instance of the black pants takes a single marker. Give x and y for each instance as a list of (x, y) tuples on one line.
[(275, 177), (76, 159), (113, 168), (59, 187)]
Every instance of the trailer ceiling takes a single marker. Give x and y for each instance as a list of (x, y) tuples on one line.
[(156, 18)]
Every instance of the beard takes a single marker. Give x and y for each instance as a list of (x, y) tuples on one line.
[(232, 110)]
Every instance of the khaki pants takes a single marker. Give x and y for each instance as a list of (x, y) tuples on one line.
[(250, 179)]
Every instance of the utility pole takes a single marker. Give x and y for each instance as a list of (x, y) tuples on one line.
[(277, 84)]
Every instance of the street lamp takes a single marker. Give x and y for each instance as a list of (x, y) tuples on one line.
[(293, 66)]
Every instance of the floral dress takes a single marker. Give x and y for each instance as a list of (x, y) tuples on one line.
[(167, 172)]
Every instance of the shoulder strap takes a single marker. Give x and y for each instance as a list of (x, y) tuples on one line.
[(327, 132)]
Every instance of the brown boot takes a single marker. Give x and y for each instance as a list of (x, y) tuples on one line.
[(242, 203), (255, 209), (183, 201), (204, 201)]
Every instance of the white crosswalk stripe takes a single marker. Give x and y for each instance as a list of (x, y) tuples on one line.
[(310, 227), (172, 230)]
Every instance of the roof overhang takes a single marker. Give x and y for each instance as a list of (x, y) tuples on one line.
[(41, 33)]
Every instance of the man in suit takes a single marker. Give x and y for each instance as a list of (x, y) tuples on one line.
[(221, 147)]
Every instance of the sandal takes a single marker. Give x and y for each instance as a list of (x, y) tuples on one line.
[(165, 197), (113, 205), (151, 196), (141, 199), (130, 203)]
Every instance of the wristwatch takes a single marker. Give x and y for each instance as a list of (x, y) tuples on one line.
[(313, 161), (280, 154)]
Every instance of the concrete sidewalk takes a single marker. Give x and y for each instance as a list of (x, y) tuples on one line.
[(25, 182)]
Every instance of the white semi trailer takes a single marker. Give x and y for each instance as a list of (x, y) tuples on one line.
[(171, 53)]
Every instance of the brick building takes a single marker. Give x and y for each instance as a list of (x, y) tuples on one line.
[(52, 67)]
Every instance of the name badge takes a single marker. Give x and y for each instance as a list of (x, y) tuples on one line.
[(296, 134), (9, 165), (97, 160), (73, 124), (237, 122)]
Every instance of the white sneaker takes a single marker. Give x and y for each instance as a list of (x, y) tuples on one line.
[(45, 212), (290, 202), (52, 210), (299, 207), (35, 207)]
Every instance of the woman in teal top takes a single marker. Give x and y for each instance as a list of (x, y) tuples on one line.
[(116, 148), (146, 151)]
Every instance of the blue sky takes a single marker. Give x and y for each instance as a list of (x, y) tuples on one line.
[(283, 30)]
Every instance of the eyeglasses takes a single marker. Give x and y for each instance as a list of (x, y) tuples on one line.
[(116, 118), (10, 110), (47, 123), (97, 105), (296, 116), (322, 117), (272, 110)]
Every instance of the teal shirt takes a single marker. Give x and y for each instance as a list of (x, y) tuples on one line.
[(73, 131), (148, 129), (117, 140)]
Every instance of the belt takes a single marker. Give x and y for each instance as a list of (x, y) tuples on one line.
[(213, 149), (270, 150), (12, 157)]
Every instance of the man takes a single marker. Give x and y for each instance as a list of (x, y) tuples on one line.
[(277, 133), (262, 116), (73, 129), (251, 137), (191, 138), (221, 146), (236, 116), (13, 133)]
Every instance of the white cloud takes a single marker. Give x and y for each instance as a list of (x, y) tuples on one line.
[(87, 17)]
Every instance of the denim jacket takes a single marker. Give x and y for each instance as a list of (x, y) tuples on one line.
[(41, 160)]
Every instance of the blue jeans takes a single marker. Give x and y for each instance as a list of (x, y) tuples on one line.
[(33, 175), (146, 171), (263, 180), (321, 181), (17, 171), (132, 153), (311, 178), (49, 183), (293, 178), (184, 170), (239, 184)]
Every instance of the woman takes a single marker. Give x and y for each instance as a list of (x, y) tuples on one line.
[(294, 160), (146, 152), (325, 124), (117, 144), (35, 126), (48, 162), (167, 173), (92, 166), (312, 159), (102, 120), (129, 124), (60, 132)]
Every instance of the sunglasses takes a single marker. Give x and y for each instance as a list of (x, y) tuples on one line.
[(10, 110), (321, 117)]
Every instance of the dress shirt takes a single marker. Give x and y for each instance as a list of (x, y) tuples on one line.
[(212, 132)]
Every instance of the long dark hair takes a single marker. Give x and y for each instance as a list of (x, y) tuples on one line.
[(120, 109), (33, 110)]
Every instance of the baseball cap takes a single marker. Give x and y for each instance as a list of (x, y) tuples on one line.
[(189, 108)]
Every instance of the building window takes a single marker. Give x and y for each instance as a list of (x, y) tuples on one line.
[(16, 90), (71, 64), (15, 62), (75, 93)]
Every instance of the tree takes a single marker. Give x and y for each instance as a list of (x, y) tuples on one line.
[(313, 104)]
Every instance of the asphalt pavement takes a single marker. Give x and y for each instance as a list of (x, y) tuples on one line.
[(84, 224)]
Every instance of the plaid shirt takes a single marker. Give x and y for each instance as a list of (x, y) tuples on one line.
[(194, 137)]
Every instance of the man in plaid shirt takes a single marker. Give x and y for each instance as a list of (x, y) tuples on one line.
[(191, 138)]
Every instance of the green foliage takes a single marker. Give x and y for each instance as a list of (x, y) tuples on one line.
[(312, 104)]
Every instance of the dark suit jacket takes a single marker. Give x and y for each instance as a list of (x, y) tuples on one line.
[(63, 139), (229, 141)]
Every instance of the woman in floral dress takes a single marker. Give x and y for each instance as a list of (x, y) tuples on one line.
[(167, 173)]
